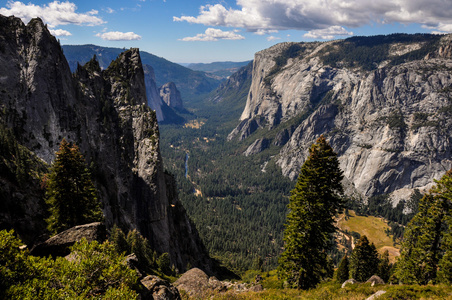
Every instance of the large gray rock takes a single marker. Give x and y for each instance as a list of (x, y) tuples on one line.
[(349, 281), (375, 280), (158, 289), (194, 282), (390, 126), (376, 295), (59, 244)]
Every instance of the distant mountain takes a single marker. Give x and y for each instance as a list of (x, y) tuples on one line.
[(190, 83), (221, 69)]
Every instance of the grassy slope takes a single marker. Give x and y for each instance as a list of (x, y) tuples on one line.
[(372, 227)]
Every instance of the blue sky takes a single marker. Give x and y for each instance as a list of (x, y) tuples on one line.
[(189, 31)]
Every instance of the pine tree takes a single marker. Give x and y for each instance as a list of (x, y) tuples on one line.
[(363, 260), (384, 267), (426, 246), (343, 270), (314, 202), (70, 192)]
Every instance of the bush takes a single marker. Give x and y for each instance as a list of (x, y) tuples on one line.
[(94, 271)]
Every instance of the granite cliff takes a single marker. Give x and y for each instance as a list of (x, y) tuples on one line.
[(106, 113), (384, 104)]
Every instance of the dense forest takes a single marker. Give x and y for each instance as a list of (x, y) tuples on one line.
[(239, 203)]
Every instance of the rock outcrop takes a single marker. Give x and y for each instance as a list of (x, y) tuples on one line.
[(197, 284), (158, 289), (171, 95), (387, 117), (59, 245), (258, 146), (105, 112)]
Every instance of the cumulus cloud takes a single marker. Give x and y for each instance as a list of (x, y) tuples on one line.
[(54, 14), (328, 33), (60, 32), (212, 34), (308, 15), (119, 36), (272, 38)]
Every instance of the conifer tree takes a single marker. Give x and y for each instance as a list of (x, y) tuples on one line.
[(343, 270), (314, 202), (70, 193), (384, 267), (363, 260), (426, 245)]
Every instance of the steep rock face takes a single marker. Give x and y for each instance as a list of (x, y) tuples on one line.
[(171, 95), (388, 122), (152, 93), (106, 114), (165, 114)]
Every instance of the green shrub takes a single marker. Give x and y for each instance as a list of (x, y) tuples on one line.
[(94, 271)]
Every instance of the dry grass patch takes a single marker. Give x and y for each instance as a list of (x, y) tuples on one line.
[(372, 227)]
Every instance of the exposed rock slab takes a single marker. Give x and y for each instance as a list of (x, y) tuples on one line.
[(258, 146), (59, 244)]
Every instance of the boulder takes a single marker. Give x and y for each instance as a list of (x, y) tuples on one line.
[(195, 282), (156, 288), (376, 295), (349, 281), (375, 280), (59, 244)]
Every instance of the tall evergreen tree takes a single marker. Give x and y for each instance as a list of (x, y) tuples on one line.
[(384, 267), (363, 260), (314, 202), (343, 270), (426, 244), (70, 193)]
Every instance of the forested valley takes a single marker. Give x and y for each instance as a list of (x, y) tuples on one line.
[(238, 202)]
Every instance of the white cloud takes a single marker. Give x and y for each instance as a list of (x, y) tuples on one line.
[(264, 32), (109, 10), (272, 38), (60, 32), (328, 33), (119, 36), (212, 34), (255, 15), (54, 14)]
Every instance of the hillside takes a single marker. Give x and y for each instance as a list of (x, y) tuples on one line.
[(221, 70)]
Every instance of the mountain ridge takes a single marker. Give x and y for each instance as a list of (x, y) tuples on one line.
[(105, 113), (387, 104)]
